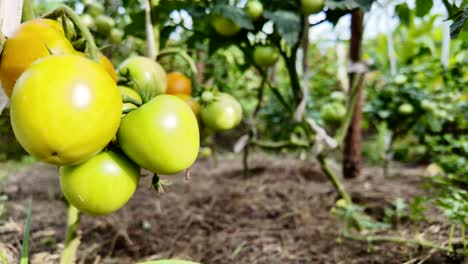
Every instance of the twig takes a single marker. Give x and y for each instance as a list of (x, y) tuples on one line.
[(377, 239)]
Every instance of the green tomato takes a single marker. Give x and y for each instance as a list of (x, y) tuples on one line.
[(94, 9), (401, 79), (338, 96), (405, 109), (116, 35), (65, 109), (144, 75), (161, 136), (333, 113), (101, 185), (254, 9), (265, 56), (104, 24), (224, 26), (223, 113), (428, 105), (87, 20), (311, 6), (207, 96)]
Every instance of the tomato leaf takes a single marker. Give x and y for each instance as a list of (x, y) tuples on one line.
[(404, 13), (287, 23), (235, 14), (423, 7), (459, 21)]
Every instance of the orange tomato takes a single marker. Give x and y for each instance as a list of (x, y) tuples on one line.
[(105, 63), (178, 83), (194, 105), (33, 40)]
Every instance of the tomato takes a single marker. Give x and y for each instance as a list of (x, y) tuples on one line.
[(161, 136), (265, 55), (65, 109), (338, 96), (254, 9), (108, 66), (33, 40), (95, 9), (311, 6), (104, 24), (100, 185), (223, 113), (333, 113), (116, 35), (224, 26), (178, 83), (144, 75), (194, 105), (87, 20), (405, 109), (205, 152), (133, 95), (428, 105)]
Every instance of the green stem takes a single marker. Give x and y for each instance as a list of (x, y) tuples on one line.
[(72, 224), (2, 41), (451, 232), (279, 96), (90, 44), (183, 54), (418, 242), (280, 144), (341, 133), (334, 180), (28, 10)]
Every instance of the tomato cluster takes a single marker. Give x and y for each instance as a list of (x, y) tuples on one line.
[(102, 126)]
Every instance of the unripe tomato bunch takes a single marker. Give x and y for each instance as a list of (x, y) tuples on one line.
[(66, 110), (96, 20)]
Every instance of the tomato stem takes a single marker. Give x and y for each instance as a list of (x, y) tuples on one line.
[(72, 239), (28, 10), (90, 44), (183, 54)]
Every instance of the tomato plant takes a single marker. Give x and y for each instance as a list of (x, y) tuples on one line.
[(34, 39), (77, 118), (100, 185), (161, 136)]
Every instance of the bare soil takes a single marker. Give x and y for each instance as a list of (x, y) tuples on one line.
[(279, 214)]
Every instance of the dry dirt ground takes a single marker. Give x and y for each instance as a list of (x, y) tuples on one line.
[(280, 214)]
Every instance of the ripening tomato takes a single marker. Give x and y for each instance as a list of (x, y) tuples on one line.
[(108, 66), (65, 109), (161, 136), (194, 105), (100, 185), (224, 26), (265, 56), (144, 75), (33, 40), (223, 113), (178, 83)]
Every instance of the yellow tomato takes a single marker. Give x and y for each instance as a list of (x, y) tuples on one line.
[(33, 40), (65, 109)]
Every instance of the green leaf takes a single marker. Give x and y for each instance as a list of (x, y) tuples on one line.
[(404, 13), (235, 14), (169, 261), (459, 21), (287, 23), (423, 7), (25, 251)]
